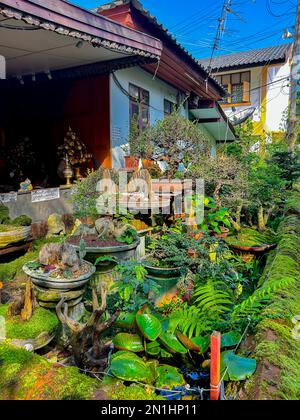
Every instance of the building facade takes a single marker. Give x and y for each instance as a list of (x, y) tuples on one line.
[(256, 79)]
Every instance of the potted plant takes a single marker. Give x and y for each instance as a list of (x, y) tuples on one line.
[(13, 231), (58, 273), (216, 220), (139, 148), (171, 255)]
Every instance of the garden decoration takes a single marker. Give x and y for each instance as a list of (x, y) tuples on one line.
[(75, 152), (13, 231), (59, 273)]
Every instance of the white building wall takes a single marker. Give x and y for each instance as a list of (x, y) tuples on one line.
[(277, 97), (255, 93), (120, 124)]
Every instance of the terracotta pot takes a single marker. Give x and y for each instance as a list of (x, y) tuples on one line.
[(224, 234), (148, 164), (131, 162)]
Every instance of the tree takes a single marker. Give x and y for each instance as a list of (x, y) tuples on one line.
[(175, 140), (226, 179), (266, 188), (289, 165)]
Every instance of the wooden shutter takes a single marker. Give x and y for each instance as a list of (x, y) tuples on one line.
[(246, 91)]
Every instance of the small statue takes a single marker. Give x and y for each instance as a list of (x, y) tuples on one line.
[(26, 186)]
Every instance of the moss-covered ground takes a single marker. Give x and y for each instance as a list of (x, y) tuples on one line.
[(278, 376), (27, 376)]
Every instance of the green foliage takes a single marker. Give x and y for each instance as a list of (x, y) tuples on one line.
[(133, 287), (4, 214), (85, 195), (189, 320), (128, 237), (237, 368), (149, 326), (174, 140), (211, 299), (171, 343), (130, 342), (21, 221), (129, 367), (289, 166)]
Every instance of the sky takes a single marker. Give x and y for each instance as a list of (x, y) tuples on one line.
[(253, 23)]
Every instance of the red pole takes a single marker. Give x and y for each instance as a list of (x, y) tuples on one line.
[(215, 366)]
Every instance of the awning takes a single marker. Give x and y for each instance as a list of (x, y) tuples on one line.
[(42, 36), (212, 117)]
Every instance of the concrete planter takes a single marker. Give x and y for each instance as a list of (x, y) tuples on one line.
[(49, 291)]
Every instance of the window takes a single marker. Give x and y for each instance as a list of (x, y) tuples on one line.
[(139, 106), (168, 107), (238, 86)]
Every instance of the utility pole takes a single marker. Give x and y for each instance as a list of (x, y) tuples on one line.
[(292, 125)]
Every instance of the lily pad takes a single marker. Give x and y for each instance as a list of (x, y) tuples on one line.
[(230, 339), (168, 377), (238, 368), (131, 342), (149, 326), (202, 342), (129, 367), (172, 344)]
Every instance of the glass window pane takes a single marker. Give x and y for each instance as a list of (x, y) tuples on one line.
[(134, 91), (237, 93), (226, 79), (236, 78), (245, 76), (145, 97)]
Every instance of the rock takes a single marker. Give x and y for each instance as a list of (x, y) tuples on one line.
[(105, 228), (56, 225), (81, 230), (50, 254), (69, 257)]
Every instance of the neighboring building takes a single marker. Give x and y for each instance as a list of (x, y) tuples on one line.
[(69, 66), (259, 79)]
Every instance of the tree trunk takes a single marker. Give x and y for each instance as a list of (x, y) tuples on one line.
[(261, 219)]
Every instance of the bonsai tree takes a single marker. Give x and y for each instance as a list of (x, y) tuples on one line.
[(266, 188), (174, 140), (226, 180), (84, 193)]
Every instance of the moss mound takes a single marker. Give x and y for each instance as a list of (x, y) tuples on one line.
[(251, 238), (27, 376), (278, 376), (41, 321)]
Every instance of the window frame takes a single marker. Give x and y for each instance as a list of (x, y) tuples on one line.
[(244, 80), (138, 100), (172, 104)]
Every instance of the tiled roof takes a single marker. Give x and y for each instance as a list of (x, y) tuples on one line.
[(258, 57), (138, 6)]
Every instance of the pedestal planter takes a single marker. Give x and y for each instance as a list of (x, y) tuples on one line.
[(105, 270), (50, 290), (166, 278)]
